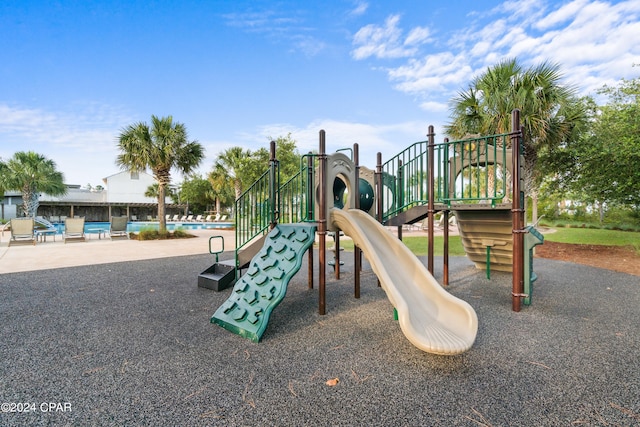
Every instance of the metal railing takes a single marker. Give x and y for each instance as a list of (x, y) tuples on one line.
[(405, 178), (297, 197), (466, 171), (253, 210), (477, 170)]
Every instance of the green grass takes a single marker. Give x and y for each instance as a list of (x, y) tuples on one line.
[(418, 245), (589, 236), (585, 236)]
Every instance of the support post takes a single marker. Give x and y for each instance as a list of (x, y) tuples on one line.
[(517, 213), (430, 203), (445, 237), (309, 198), (400, 194), (356, 250), (336, 254), (322, 226), (445, 254), (273, 186), (379, 191)]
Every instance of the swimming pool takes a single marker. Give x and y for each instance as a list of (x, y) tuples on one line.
[(95, 227)]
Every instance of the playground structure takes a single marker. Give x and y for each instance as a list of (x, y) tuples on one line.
[(276, 224)]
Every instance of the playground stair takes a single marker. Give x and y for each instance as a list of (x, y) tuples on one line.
[(247, 310), (487, 237)]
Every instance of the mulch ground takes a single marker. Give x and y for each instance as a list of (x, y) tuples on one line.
[(617, 258)]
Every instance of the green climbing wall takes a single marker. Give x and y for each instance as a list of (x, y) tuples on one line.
[(246, 312)]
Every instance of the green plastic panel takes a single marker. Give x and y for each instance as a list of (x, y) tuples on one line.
[(246, 312), (532, 239)]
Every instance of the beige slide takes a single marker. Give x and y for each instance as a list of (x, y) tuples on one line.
[(431, 318)]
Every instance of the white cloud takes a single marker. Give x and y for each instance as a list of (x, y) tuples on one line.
[(340, 134), (92, 129), (593, 41), (281, 26), (360, 8), (386, 42), (418, 35), (81, 142), (431, 74), (564, 14)]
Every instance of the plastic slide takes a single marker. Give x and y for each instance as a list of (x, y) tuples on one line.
[(431, 318)]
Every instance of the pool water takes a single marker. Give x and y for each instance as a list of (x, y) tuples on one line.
[(95, 227)]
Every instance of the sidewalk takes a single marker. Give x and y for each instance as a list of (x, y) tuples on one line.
[(95, 250), (50, 254)]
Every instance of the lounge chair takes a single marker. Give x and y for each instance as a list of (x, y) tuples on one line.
[(118, 227), (73, 229), (189, 218), (175, 218), (198, 218), (22, 231), (183, 219), (209, 218), (223, 218)]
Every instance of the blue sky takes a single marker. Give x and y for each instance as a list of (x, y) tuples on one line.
[(73, 74)]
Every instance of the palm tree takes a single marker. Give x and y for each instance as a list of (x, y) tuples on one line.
[(231, 163), (485, 108), (221, 191), (31, 174), (161, 147)]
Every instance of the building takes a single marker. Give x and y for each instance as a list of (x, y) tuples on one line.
[(123, 196)]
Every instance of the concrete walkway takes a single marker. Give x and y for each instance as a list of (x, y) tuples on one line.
[(95, 250)]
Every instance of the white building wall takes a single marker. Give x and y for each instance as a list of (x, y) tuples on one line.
[(127, 187)]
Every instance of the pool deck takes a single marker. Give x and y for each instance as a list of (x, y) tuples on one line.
[(98, 249)]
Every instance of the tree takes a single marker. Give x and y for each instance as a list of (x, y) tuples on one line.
[(197, 192), (223, 193), (549, 111), (162, 147), (601, 166), (287, 155), (243, 167), (231, 164), (152, 192), (31, 174)]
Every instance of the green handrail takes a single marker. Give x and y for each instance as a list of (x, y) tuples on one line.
[(475, 162), (466, 171), (253, 211)]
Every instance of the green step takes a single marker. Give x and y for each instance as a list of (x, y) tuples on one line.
[(246, 312)]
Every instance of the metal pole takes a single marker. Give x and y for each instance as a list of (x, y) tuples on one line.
[(400, 193), (445, 237), (356, 249), (273, 184), (309, 199), (322, 225), (379, 204), (430, 205), (336, 252), (378, 184), (517, 213)]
